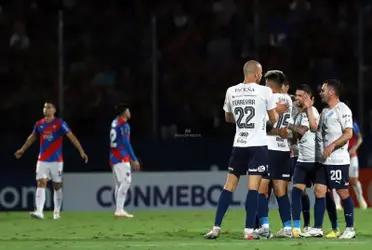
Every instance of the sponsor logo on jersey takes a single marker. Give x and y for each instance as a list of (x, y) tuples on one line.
[(243, 134), (241, 141)]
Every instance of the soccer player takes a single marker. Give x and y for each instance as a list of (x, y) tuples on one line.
[(305, 172), (246, 105), (122, 157), (354, 144), (50, 130), (279, 170), (334, 132)]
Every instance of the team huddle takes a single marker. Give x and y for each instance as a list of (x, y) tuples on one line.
[(278, 141)]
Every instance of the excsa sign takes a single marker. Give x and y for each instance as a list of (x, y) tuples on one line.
[(149, 190)]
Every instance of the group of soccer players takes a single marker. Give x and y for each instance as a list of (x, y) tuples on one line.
[(51, 130), (267, 123)]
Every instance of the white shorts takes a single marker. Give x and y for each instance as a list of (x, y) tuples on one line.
[(122, 172), (354, 167), (49, 170)]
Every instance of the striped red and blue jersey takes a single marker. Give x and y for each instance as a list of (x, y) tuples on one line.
[(51, 139), (120, 147)]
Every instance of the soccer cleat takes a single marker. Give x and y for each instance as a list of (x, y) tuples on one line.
[(123, 214), (251, 235), (213, 234), (363, 204), (284, 233), (296, 232), (263, 232), (335, 233), (306, 229), (37, 215), (313, 232), (349, 233), (56, 216)]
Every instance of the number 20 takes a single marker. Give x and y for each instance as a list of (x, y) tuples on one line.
[(336, 175)]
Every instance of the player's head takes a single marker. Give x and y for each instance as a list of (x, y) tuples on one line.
[(49, 109), (252, 71), (301, 91), (275, 79), (330, 89), (122, 109), (285, 87)]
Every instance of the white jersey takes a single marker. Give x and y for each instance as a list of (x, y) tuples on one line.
[(275, 142), (333, 121), (306, 145), (249, 104)]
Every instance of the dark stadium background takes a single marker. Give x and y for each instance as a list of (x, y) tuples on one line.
[(108, 56)]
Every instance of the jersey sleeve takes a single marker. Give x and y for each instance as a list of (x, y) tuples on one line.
[(125, 131), (227, 105), (356, 129), (65, 128), (270, 100), (346, 118)]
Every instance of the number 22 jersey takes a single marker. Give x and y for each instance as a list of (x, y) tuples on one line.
[(249, 103)]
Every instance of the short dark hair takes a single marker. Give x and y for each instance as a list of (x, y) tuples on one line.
[(51, 101), (306, 88), (121, 107), (276, 76), (335, 84)]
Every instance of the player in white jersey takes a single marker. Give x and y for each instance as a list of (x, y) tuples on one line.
[(246, 105), (305, 172), (334, 132), (279, 171)]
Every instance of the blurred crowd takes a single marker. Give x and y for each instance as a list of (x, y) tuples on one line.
[(201, 47)]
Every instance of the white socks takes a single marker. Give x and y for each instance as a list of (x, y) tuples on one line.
[(57, 198), (337, 199), (40, 199), (121, 195), (358, 190)]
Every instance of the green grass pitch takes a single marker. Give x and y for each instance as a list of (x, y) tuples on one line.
[(158, 230)]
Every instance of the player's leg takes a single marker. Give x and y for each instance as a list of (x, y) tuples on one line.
[(42, 174), (355, 183), (320, 189), (299, 179), (123, 176), (332, 214), (56, 171), (236, 168), (224, 201), (257, 167), (336, 199), (305, 201), (263, 203), (339, 179)]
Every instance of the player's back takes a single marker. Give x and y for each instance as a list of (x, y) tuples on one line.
[(275, 142), (249, 104), (118, 151)]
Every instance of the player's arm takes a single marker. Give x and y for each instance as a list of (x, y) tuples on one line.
[(356, 131), (77, 145), (229, 117), (29, 141), (298, 130), (313, 121), (339, 142), (133, 158)]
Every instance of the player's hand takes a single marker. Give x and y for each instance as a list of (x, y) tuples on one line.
[(281, 107), (135, 165), (308, 101), (84, 157), (328, 150), (18, 154), (283, 133), (352, 150)]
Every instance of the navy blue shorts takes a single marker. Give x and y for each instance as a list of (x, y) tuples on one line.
[(309, 173), (279, 166), (248, 160), (337, 176), (293, 161)]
